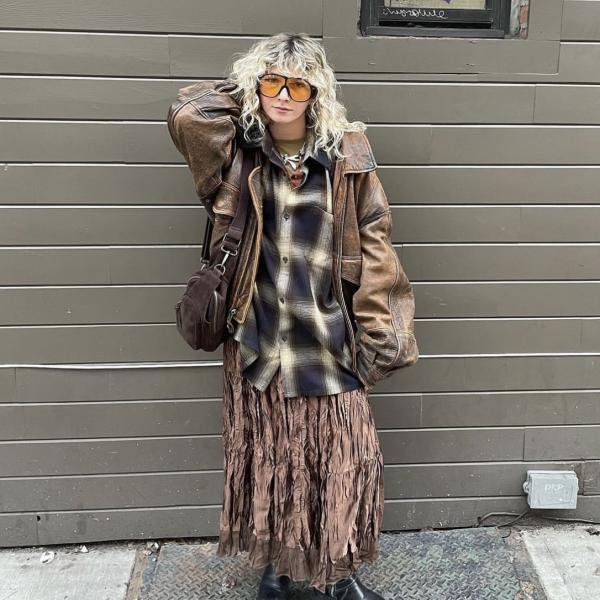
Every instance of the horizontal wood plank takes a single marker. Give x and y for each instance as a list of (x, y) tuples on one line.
[(88, 97), (65, 383), (386, 102), (74, 420), (47, 141), (138, 304), (186, 453), (509, 373), (562, 443), (97, 184), (580, 21), (74, 53), (155, 382), (462, 480), (452, 144), (98, 492), (375, 102), (433, 224), (577, 65), (440, 55), (551, 184), (466, 512), (33, 529), (505, 299), (137, 455), (162, 342), (58, 305), (146, 142), (172, 265), (98, 265), (452, 445), (174, 522), (148, 490), (89, 225), (521, 407), (493, 262), (567, 104), (197, 57), (202, 415), (228, 16), (106, 184)]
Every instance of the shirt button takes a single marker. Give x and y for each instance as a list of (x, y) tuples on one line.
[(284, 337), (285, 259), (281, 300), (286, 216)]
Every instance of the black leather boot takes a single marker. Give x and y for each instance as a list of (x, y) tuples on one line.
[(351, 588), (272, 586)]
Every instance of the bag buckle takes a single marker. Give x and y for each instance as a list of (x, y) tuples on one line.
[(227, 252), (234, 246)]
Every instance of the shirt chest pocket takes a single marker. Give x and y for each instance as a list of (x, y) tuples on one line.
[(318, 245)]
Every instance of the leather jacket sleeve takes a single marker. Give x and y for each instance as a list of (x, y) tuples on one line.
[(384, 304), (202, 123)]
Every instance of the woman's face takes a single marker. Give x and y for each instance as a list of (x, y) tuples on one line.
[(282, 109)]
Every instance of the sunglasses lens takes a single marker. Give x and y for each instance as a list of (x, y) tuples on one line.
[(270, 85), (299, 89)]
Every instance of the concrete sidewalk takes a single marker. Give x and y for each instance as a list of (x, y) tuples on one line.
[(522, 562)]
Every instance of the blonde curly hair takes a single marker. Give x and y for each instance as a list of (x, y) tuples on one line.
[(287, 51)]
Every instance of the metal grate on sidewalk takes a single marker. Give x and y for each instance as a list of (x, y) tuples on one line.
[(459, 564)]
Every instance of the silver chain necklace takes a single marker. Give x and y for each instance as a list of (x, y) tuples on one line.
[(294, 160)]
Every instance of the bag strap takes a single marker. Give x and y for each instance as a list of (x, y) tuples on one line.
[(236, 228), (205, 244), (232, 238)]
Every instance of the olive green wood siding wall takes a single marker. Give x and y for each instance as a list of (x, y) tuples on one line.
[(488, 149)]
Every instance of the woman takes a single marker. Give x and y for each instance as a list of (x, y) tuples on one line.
[(303, 469)]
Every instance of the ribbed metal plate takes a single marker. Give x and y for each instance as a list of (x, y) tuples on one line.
[(460, 564)]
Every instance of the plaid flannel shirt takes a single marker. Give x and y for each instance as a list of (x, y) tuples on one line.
[(294, 321)]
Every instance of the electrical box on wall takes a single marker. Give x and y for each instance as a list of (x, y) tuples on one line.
[(551, 489)]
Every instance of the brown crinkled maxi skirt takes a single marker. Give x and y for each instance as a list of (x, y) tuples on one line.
[(303, 478)]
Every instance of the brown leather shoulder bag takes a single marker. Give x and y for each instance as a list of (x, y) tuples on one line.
[(201, 314)]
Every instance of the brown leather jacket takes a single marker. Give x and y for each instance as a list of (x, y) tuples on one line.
[(368, 280)]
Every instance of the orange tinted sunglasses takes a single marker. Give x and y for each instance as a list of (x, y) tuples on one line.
[(271, 84)]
